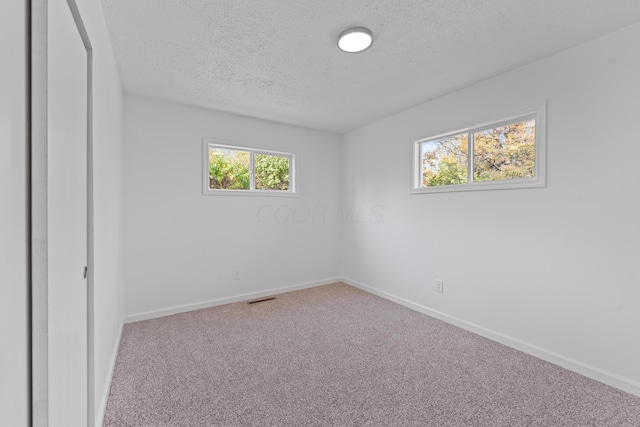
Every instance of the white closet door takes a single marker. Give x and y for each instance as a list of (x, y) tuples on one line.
[(67, 218)]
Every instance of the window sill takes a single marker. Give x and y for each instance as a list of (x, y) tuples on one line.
[(481, 186), (243, 193)]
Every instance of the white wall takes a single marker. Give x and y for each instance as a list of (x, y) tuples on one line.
[(554, 271), (181, 246), (14, 397), (108, 164)]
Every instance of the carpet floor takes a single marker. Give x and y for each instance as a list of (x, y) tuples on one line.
[(337, 356)]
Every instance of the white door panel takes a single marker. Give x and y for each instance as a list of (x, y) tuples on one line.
[(67, 218)]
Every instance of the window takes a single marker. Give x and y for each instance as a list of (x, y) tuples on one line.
[(501, 155), (231, 169)]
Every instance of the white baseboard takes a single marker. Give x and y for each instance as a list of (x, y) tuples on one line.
[(228, 300), (589, 371), (107, 385)]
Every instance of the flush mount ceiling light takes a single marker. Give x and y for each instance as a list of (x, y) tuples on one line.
[(355, 39)]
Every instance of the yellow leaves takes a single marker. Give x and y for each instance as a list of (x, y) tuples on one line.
[(499, 153), (504, 152)]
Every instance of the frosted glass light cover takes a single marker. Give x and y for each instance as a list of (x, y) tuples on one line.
[(355, 40)]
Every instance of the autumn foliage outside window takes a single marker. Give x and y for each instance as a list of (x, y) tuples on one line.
[(503, 153)]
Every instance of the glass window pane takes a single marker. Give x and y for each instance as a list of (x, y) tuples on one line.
[(444, 161), (228, 169), (505, 152), (271, 172)]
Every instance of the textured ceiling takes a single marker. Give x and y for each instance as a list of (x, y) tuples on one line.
[(278, 59)]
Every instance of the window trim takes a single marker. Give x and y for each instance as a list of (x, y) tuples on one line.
[(538, 181), (252, 191)]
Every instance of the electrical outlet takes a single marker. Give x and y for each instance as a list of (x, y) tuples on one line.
[(439, 286), (236, 274)]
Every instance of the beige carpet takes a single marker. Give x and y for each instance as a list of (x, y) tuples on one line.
[(338, 356)]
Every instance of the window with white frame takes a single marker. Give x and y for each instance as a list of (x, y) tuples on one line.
[(505, 154), (231, 169)]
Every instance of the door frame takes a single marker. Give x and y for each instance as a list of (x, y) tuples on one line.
[(39, 213)]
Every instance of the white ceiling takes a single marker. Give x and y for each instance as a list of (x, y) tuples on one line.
[(278, 59)]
